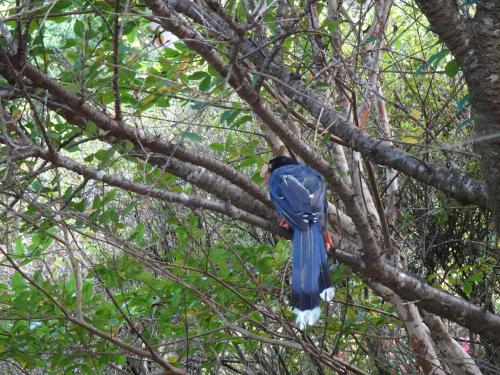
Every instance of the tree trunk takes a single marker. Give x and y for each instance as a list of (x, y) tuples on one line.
[(418, 334), (453, 355), (482, 71)]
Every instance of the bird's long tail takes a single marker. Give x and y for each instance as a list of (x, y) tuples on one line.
[(311, 278)]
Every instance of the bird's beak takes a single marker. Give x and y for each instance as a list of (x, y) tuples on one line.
[(264, 172)]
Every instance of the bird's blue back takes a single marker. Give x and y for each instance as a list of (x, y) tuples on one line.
[(298, 193)]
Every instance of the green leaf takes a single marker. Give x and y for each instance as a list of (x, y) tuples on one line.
[(80, 206), (195, 137), (61, 5), (197, 76), (452, 68), (212, 71), (110, 277), (105, 156), (110, 195), (138, 234), (170, 52), (229, 115), (90, 128), (127, 145), (435, 59), (129, 27), (475, 278), (181, 46), (19, 247), (87, 370), (128, 208), (97, 202), (219, 147), (205, 84), (265, 265), (40, 242), (37, 186), (242, 120), (332, 25), (326, 138), (79, 28), (252, 160), (467, 286), (18, 282)]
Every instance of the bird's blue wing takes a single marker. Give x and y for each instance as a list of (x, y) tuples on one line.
[(298, 193)]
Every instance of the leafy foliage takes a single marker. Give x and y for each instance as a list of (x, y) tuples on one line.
[(206, 292)]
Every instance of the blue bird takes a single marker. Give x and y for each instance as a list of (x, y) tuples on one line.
[(298, 192)]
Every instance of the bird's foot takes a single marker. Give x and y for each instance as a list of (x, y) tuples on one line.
[(328, 240), (282, 223)]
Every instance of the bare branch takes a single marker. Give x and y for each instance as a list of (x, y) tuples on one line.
[(123, 131), (193, 202), (428, 298), (450, 181)]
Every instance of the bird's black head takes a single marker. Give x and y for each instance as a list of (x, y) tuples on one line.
[(280, 161)]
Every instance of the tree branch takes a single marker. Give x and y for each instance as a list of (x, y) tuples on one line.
[(242, 87), (450, 181), (446, 21), (123, 131), (428, 298), (193, 202), (197, 168)]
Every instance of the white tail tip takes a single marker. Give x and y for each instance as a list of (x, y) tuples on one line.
[(327, 294), (306, 317)]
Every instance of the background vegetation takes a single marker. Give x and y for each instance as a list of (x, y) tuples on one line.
[(137, 237)]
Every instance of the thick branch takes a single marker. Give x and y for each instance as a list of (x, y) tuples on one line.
[(446, 21), (450, 181), (194, 172), (242, 87), (454, 355), (193, 202), (123, 131), (428, 298)]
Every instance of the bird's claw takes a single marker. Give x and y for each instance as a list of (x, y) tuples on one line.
[(328, 240), (283, 223)]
